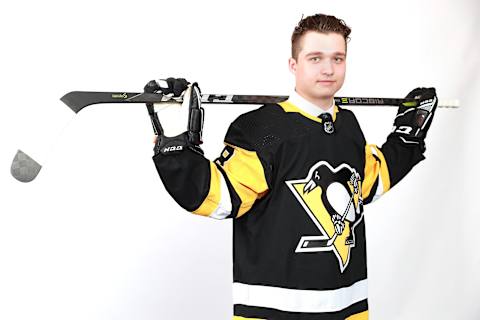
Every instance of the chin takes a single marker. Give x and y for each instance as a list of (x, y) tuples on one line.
[(323, 93)]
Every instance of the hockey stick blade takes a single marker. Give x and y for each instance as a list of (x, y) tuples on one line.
[(77, 100), (35, 152), (24, 168)]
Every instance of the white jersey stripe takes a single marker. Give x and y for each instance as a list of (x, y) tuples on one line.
[(295, 300)]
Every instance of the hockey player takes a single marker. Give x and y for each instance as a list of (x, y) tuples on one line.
[(295, 176)]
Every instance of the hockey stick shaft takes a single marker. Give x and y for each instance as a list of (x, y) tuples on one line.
[(77, 100)]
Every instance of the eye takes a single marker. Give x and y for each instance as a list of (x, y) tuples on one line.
[(338, 59), (315, 59)]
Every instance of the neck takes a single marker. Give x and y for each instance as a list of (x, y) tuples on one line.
[(323, 103)]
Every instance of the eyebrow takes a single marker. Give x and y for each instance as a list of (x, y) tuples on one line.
[(320, 53)]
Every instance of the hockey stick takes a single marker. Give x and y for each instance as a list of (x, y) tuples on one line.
[(25, 168), (77, 100)]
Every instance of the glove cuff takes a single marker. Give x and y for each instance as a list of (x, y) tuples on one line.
[(175, 145), (408, 141)]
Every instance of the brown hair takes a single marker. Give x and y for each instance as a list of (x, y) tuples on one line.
[(319, 23)]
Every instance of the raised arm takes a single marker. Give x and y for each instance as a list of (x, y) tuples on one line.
[(224, 188), (404, 148)]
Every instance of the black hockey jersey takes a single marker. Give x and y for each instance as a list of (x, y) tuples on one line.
[(297, 195)]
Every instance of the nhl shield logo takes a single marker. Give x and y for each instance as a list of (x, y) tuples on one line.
[(328, 127), (332, 199), (327, 121)]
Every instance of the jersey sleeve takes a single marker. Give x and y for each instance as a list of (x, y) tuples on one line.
[(224, 188), (386, 166)]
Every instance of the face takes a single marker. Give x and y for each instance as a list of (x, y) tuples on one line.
[(320, 67)]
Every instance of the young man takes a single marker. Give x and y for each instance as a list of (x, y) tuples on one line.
[(295, 177)]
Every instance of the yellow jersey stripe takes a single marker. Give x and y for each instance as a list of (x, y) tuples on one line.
[(359, 316), (374, 170), (384, 171), (246, 175), (245, 172), (371, 172), (213, 198), (248, 169)]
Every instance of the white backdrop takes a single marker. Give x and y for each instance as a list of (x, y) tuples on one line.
[(96, 235)]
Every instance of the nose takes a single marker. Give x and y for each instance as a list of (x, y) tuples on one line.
[(327, 68)]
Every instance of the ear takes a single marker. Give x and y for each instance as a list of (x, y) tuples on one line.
[(292, 65)]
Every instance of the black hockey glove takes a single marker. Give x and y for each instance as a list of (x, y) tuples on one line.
[(173, 138), (170, 86), (414, 119)]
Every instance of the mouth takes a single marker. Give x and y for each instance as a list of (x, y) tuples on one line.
[(326, 82)]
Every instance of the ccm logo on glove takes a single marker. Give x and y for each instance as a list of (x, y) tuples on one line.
[(173, 148)]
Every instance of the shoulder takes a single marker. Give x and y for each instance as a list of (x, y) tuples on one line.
[(350, 124), (346, 113), (261, 114), (348, 116), (256, 129)]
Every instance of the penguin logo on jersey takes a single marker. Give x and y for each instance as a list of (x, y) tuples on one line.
[(332, 198)]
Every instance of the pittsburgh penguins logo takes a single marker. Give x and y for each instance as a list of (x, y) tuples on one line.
[(332, 198)]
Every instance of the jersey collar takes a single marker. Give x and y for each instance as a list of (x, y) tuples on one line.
[(297, 103)]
